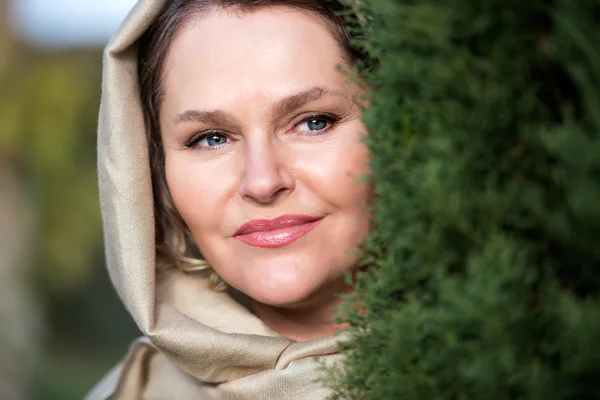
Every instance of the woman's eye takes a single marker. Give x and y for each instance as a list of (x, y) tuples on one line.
[(215, 140), (207, 140), (316, 124)]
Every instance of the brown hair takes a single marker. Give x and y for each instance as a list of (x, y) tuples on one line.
[(174, 244)]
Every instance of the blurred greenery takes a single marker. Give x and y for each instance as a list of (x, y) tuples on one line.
[(48, 114)]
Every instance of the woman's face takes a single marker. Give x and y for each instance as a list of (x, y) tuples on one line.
[(263, 151)]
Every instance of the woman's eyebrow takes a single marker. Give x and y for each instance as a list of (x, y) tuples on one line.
[(282, 107), (214, 117), (295, 101)]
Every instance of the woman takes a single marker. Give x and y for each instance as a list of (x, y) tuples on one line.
[(229, 156)]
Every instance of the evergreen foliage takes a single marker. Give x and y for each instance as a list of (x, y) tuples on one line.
[(485, 131)]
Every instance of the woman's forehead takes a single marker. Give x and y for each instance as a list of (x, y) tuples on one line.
[(268, 50)]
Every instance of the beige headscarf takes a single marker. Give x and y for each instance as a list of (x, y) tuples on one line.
[(198, 344)]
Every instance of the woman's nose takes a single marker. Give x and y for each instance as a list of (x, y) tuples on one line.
[(266, 176)]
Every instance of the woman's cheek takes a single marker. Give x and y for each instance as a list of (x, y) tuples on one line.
[(339, 168), (197, 189)]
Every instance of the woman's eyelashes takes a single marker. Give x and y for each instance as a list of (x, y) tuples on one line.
[(310, 125), (315, 124), (209, 140)]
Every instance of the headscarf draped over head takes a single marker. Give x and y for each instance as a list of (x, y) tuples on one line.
[(198, 343)]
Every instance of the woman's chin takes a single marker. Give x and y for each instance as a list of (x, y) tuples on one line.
[(281, 292), (280, 297)]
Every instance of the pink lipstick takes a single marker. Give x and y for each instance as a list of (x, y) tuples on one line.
[(277, 232)]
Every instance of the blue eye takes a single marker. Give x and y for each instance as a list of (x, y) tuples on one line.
[(316, 124), (216, 140), (207, 140)]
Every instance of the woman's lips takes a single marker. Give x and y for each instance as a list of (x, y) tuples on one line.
[(276, 232)]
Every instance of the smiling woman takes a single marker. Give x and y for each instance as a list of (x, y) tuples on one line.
[(255, 153), (282, 134)]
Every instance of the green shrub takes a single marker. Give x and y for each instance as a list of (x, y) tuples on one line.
[(485, 133)]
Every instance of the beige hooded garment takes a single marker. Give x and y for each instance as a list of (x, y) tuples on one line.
[(198, 344)]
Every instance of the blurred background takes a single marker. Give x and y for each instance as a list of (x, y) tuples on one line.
[(62, 326)]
